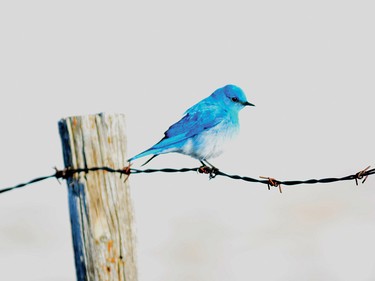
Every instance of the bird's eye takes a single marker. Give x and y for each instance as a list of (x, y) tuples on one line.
[(235, 99)]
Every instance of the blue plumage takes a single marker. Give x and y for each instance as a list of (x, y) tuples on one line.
[(205, 127)]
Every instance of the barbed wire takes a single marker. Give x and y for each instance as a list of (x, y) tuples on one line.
[(212, 172)]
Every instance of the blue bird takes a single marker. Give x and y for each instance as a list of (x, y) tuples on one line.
[(205, 127)]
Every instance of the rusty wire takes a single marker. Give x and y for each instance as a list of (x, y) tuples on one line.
[(212, 173)]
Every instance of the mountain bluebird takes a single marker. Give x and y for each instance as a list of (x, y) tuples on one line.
[(205, 127)]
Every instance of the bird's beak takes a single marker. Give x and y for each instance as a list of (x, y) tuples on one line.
[(247, 103)]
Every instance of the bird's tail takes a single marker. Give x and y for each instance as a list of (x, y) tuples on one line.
[(149, 159), (160, 148), (150, 151)]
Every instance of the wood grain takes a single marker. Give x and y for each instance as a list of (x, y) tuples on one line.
[(101, 209)]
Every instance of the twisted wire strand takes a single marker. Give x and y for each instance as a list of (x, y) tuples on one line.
[(212, 172), (27, 183)]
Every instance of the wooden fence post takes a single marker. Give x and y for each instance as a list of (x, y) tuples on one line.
[(101, 210)]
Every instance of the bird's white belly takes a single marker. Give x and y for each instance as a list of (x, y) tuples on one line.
[(210, 143)]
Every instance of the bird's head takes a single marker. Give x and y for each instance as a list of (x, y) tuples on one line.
[(232, 97)]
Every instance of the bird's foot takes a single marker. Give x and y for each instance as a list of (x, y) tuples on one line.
[(211, 171)]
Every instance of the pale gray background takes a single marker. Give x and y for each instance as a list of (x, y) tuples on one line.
[(308, 66)]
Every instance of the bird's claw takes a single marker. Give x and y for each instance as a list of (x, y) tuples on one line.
[(211, 171)]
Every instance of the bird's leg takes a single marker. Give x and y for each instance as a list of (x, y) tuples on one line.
[(208, 168), (212, 166), (214, 170)]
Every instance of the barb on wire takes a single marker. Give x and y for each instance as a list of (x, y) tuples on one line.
[(272, 182), (361, 174), (212, 173)]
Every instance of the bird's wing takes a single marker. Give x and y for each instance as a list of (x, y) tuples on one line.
[(195, 121)]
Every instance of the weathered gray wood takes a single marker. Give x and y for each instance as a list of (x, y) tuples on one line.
[(101, 210)]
